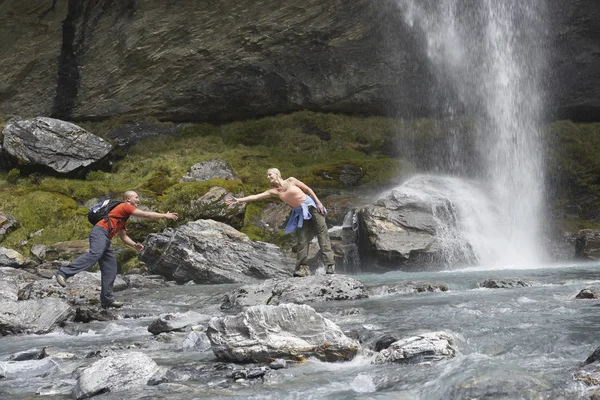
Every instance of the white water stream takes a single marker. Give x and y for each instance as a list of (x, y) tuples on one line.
[(490, 53)]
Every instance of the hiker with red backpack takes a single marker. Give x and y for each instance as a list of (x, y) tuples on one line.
[(109, 218)]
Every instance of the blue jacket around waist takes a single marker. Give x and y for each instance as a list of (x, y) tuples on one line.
[(299, 214)]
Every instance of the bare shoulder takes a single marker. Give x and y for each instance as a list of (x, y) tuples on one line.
[(292, 180)]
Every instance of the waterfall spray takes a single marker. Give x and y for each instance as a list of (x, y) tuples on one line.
[(490, 53)]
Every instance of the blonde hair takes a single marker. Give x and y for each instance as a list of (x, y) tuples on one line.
[(275, 171)]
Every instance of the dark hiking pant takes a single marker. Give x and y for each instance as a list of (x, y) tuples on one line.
[(101, 253), (310, 227)]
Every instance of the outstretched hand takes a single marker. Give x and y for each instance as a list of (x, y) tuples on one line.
[(138, 246), (170, 215), (231, 200)]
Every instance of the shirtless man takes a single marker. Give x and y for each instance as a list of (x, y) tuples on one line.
[(308, 216)]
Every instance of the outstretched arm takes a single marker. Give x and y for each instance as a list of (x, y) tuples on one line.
[(154, 215), (308, 190), (128, 241), (255, 197)]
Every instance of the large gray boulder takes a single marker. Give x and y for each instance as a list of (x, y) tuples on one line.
[(114, 374), (53, 143), (306, 290), (288, 331), (32, 316), (206, 251)]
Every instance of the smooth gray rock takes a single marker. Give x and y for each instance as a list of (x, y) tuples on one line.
[(57, 144), (32, 316), (288, 331), (432, 346), (114, 374), (296, 290), (176, 322), (196, 341), (592, 292), (206, 251), (27, 369)]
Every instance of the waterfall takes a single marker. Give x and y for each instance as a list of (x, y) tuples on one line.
[(489, 55)]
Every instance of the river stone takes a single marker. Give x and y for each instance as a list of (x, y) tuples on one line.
[(407, 288), (176, 322), (592, 292), (32, 316), (504, 283), (114, 374), (57, 144), (288, 331), (432, 346), (27, 369), (207, 251), (297, 290)]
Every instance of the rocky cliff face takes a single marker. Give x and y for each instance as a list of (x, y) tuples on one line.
[(200, 60)]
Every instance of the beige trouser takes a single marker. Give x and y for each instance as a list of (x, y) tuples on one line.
[(310, 227)]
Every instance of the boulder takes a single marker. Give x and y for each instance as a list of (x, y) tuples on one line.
[(504, 283), (27, 369), (114, 374), (32, 316), (207, 170), (53, 143), (66, 250), (206, 251), (212, 206), (13, 259), (8, 223), (176, 322), (592, 292), (432, 346), (287, 331), (306, 290)]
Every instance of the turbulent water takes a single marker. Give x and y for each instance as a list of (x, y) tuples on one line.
[(491, 54), (521, 343)]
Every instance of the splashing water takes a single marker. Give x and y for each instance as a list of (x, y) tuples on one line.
[(490, 53)]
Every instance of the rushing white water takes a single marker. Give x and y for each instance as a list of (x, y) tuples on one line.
[(490, 53)]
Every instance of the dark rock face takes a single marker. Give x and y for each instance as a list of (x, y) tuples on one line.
[(226, 60)]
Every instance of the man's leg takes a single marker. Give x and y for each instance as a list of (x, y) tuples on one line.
[(304, 237), (99, 242), (320, 226), (108, 274)]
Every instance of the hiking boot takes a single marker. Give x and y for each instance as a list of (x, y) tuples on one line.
[(114, 304), (302, 271), (61, 279), (330, 269)]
